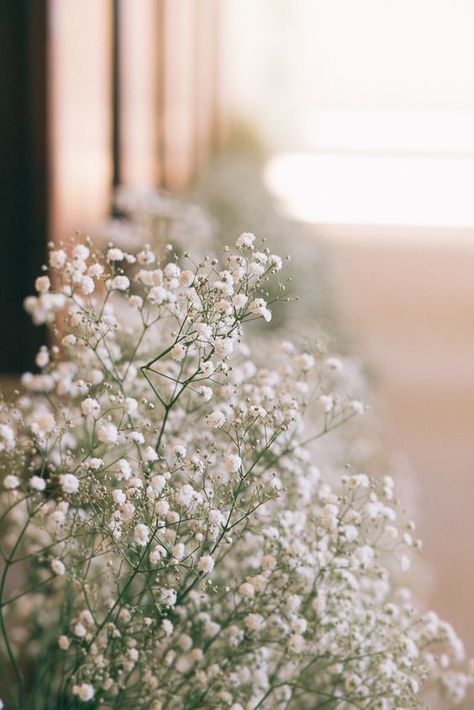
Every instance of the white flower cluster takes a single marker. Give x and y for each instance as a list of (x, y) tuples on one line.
[(179, 547), (232, 190)]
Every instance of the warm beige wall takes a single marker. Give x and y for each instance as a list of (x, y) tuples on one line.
[(168, 100), (406, 295)]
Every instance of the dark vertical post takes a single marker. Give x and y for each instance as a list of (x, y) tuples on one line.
[(116, 95), (24, 173)]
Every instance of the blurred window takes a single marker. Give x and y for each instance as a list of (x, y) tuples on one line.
[(368, 105)]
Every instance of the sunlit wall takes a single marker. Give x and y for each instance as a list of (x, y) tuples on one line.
[(367, 109), (368, 104)]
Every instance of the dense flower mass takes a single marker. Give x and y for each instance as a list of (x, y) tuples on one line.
[(168, 538)]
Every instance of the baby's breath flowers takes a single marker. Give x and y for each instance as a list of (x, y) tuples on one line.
[(176, 544)]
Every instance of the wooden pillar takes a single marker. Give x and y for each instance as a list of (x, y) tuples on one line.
[(141, 87), (206, 85), (80, 98)]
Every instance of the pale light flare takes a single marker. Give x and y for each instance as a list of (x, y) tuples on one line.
[(424, 132), (369, 110), (334, 188)]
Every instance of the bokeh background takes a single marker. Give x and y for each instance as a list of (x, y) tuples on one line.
[(359, 115)]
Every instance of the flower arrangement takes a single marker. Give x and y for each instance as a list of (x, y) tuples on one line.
[(228, 197), (167, 537)]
